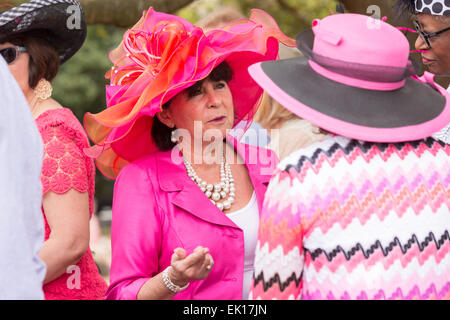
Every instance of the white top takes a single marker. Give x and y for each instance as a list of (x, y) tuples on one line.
[(21, 220), (247, 219)]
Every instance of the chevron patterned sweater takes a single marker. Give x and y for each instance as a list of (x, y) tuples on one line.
[(345, 219)]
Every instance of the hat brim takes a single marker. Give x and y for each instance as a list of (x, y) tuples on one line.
[(52, 19), (414, 112)]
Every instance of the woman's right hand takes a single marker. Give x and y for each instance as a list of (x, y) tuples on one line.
[(195, 266)]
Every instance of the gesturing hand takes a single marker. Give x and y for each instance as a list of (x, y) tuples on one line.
[(195, 266)]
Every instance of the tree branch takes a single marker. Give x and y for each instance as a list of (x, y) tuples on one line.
[(119, 13), (286, 6)]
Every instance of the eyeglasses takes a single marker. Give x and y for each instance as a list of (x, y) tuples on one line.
[(10, 54), (427, 36)]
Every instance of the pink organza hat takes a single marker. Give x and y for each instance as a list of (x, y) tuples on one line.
[(159, 57), (356, 80)]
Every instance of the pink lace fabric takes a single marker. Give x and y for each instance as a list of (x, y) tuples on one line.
[(65, 167)]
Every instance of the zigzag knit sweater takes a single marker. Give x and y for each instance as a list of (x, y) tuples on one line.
[(345, 219)]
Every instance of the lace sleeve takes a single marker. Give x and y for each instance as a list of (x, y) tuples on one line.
[(64, 166)]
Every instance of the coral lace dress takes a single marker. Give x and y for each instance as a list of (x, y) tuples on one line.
[(65, 167)]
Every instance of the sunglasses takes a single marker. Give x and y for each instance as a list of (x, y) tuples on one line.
[(427, 36), (10, 54)]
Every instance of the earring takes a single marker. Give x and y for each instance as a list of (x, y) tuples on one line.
[(174, 137), (43, 89)]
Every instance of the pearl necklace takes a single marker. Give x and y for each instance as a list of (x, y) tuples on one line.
[(218, 191)]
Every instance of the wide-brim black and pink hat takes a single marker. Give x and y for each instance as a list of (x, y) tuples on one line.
[(356, 80), (62, 23)]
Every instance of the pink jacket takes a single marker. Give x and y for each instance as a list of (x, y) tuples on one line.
[(157, 208)]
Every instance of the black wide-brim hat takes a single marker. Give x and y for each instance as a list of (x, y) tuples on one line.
[(62, 23), (417, 110)]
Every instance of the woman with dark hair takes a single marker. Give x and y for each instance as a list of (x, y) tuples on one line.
[(185, 209), (34, 41), (432, 23)]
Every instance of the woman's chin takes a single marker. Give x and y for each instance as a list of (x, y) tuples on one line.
[(222, 126), (215, 133), (435, 68)]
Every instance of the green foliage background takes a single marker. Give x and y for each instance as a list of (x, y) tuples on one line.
[(80, 84), (292, 17)]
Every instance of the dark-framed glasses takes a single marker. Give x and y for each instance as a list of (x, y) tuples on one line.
[(427, 36), (10, 54)]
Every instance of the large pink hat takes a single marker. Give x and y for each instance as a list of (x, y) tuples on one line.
[(161, 56), (356, 80)]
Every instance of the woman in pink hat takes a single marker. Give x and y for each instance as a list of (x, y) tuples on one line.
[(35, 41), (365, 213), (185, 209)]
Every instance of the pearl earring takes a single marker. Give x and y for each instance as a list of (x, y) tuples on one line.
[(174, 137)]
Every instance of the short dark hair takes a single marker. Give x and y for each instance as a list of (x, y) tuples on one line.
[(161, 133), (44, 59)]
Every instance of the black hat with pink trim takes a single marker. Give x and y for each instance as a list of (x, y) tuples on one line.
[(61, 22), (356, 80)]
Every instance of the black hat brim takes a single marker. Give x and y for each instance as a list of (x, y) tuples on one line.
[(412, 112), (53, 19)]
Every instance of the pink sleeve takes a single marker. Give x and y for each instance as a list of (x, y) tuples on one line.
[(135, 233), (64, 166), (279, 258)]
